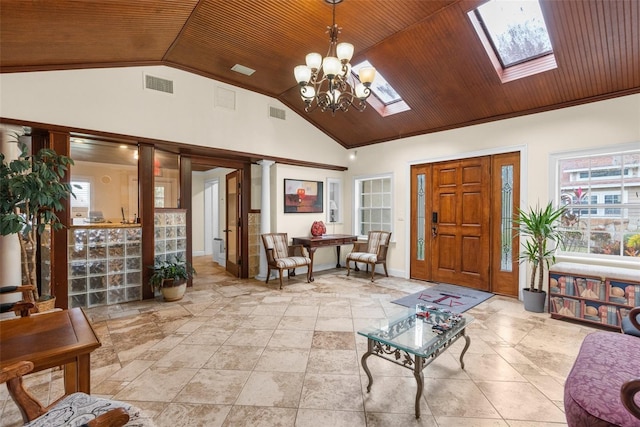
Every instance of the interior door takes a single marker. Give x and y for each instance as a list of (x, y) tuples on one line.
[(460, 233), (233, 230)]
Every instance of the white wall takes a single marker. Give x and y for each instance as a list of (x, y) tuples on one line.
[(114, 100)]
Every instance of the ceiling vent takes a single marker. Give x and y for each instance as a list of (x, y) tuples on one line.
[(157, 83), (243, 70), (277, 113)]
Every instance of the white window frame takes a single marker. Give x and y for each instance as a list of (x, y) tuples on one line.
[(357, 225), (599, 192)]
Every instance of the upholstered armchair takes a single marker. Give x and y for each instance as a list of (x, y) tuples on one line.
[(77, 409), (371, 252), (631, 323), (282, 256)]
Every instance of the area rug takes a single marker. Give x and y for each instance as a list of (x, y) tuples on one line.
[(458, 299)]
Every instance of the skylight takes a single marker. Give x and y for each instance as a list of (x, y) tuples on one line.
[(516, 30), (380, 87), (386, 100)]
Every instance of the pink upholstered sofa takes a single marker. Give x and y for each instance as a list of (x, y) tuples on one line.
[(603, 387)]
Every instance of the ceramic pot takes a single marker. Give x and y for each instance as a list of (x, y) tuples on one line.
[(534, 301), (172, 291)]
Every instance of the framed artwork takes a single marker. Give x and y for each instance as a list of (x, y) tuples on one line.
[(303, 196)]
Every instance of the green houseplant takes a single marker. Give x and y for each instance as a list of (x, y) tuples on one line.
[(31, 192), (170, 278), (542, 230)]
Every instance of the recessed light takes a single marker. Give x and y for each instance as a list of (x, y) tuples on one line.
[(243, 70)]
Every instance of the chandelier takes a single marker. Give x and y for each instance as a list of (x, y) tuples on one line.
[(336, 89)]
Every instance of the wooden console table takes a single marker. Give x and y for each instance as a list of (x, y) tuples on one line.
[(312, 243), (52, 339)]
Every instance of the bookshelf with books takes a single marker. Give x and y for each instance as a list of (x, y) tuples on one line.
[(593, 294)]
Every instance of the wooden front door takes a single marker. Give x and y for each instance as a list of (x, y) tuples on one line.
[(457, 225), (460, 222), (233, 229)]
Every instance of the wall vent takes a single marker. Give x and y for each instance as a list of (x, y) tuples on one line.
[(277, 113), (157, 83), (225, 98)]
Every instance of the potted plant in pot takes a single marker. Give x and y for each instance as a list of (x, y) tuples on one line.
[(170, 278), (31, 192), (541, 228)]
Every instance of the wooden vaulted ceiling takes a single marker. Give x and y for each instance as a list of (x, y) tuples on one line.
[(427, 49)]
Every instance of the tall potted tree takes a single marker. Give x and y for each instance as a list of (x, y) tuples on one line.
[(31, 192), (541, 229)]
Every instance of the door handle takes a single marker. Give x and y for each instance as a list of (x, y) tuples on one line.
[(434, 220)]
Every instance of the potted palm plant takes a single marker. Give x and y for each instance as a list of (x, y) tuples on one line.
[(541, 229), (31, 192), (170, 278)]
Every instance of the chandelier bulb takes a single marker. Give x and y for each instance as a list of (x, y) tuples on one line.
[(302, 74), (344, 51), (314, 60), (366, 75)]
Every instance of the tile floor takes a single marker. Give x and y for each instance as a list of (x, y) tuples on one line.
[(242, 353)]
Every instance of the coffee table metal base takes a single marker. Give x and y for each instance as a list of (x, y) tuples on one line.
[(410, 361)]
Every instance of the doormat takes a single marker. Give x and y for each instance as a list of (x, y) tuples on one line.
[(457, 299)]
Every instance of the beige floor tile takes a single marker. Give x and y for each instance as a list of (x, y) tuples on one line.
[(157, 384), (188, 414), (283, 360), (330, 340), (254, 321), (343, 362), (509, 398), (211, 386), (334, 392), (301, 323), (187, 356), (341, 324), (316, 417), (255, 416), (490, 367), (251, 337), (238, 358), (386, 419), (291, 339), (281, 389), (457, 398), (302, 311), (469, 422)]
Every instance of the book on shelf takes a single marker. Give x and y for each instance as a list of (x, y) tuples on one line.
[(608, 315), (632, 293), (565, 306), (591, 289)]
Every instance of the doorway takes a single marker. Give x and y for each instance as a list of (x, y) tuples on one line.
[(462, 215), (233, 229), (214, 244)]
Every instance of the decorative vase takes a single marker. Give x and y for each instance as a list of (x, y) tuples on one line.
[(172, 291), (534, 301), (318, 228)]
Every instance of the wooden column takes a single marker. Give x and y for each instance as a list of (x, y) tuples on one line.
[(146, 208), (60, 142), (185, 202)]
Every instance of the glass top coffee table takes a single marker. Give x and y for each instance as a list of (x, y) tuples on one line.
[(414, 339)]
